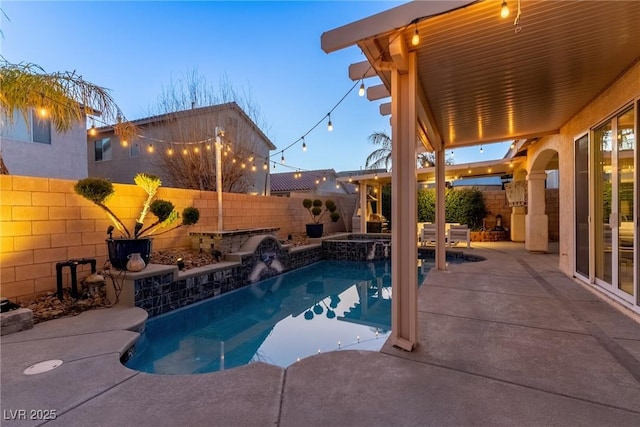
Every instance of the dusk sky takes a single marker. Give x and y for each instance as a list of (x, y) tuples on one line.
[(269, 49)]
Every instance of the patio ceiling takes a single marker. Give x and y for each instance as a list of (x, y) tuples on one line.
[(482, 81)]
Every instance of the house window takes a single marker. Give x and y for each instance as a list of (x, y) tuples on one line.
[(134, 150), (33, 128), (102, 149), (41, 129)]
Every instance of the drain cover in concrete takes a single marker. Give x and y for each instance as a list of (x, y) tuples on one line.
[(41, 367)]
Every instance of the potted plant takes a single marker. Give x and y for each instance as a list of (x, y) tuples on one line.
[(316, 228), (137, 240)]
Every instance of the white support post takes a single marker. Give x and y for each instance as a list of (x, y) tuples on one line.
[(218, 150), (363, 207), (404, 249), (441, 251)]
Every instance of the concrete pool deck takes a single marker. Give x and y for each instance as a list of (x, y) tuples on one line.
[(509, 341)]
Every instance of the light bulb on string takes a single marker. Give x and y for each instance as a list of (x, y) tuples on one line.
[(350, 179), (253, 167), (304, 145), (361, 90), (196, 149), (184, 152), (150, 148), (209, 146), (265, 166), (170, 151), (92, 130), (415, 40), (504, 9), (251, 157), (243, 165), (317, 181), (481, 150), (324, 178), (329, 124), (233, 160), (282, 158), (124, 143)]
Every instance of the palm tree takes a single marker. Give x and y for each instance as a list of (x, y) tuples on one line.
[(65, 96), (382, 156)]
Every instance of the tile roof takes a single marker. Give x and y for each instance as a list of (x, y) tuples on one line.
[(286, 181)]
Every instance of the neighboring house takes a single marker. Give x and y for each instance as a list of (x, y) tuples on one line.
[(31, 146), (120, 161), (321, 182)]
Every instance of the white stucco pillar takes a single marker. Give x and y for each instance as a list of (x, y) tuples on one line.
[(537, 223), (441, 250), (404, 249)]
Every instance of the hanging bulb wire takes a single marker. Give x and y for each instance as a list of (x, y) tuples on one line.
[(361, 90), (304, 145), (329, 125)]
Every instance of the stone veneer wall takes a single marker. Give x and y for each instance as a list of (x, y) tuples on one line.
[(161, 293), (43, 222)]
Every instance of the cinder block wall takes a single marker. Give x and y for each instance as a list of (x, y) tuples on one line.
[(43, 222)]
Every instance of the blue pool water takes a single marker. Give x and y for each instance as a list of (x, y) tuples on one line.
[(327, 306)]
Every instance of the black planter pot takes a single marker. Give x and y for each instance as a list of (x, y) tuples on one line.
[(120, 249), (315, 230)]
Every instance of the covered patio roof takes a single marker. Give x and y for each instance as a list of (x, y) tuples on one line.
[(481, 78), (498, 167)]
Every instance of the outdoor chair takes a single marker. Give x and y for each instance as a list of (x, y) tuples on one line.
[(459, 234)]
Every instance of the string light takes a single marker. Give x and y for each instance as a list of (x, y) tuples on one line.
[(415, 40), (361, 90), (93, 130), (170, 151), (304, 145), (253, 166), (265, 166), (196, 149), (481, 150), (184, 151), (329, 125), (504, 9), (282, 158), (150, 148), (124, 143)]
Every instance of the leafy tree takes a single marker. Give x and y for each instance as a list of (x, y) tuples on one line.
[(465, 206)]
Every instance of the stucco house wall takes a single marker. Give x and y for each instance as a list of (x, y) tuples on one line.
[(238, 127), (65, 157), (619, 94)]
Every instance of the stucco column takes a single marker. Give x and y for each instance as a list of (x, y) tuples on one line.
[(404, 246), (518, 224), (537, 223)]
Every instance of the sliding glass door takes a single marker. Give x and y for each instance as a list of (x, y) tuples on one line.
[(614, 162)]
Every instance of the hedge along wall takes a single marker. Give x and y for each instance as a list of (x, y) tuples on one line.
[(43, 222)]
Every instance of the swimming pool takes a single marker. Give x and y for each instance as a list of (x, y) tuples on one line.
[(327, 306)]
